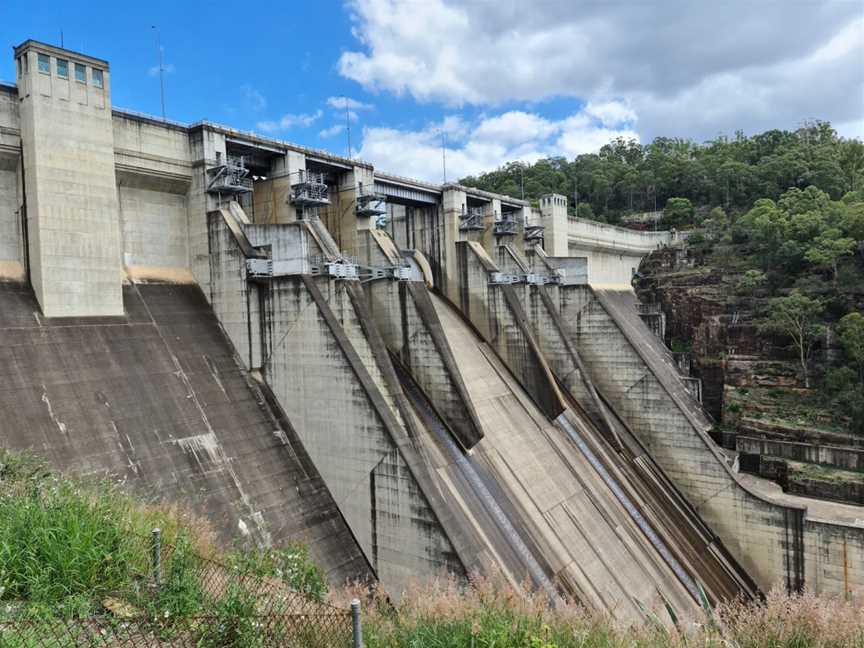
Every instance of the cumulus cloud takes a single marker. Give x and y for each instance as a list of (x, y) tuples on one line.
[(289, 121), (473, 147), (684, 68), (342, 103), (332, 131)]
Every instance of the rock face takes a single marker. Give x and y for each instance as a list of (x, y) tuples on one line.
[(751, 382)]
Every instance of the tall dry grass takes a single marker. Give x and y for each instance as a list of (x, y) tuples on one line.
[(492, 614)]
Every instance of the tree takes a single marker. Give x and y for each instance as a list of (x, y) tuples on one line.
[(584, 210), (850, 330), (828, 248), (716, 223), (751, 281), (851, 161), (795, 316), (678, 211)]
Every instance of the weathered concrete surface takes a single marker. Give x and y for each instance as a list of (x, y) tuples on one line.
[(156, 399), (592, 546), (412, 331), (72, 212), (11, 223), (538, 351), (637, 374), (153, 228), (498, 314), (314, 346)]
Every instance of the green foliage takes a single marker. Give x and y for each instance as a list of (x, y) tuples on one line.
[(845, 390), (851, 331), (235, 623), (797, 317), (70, 550), (180, 593), (751, 281), (678, 212), (60, 542), (291, 564), (716, 224), (586, 211), (626, 177), (828, 248)]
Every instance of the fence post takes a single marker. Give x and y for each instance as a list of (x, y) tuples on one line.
[(355, 620), (157, 556)]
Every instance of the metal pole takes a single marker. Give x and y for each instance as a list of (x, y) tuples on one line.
[(355, 621), (522, 176), (347, 124), (157, 556), (161, 70), (444, 153)]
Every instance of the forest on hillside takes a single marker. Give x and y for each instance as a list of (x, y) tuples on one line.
[(626, 176), (778, 215)]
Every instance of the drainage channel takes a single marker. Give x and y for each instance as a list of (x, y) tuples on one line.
[(625, 501), (469, 472)]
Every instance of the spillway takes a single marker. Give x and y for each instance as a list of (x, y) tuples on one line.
[(413, 378)]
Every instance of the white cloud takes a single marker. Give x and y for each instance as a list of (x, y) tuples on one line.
[(490, 141), (167, 68), (685, 68), (254, 99), (332, 131), (611, 113), (342, 103), (289, 121)]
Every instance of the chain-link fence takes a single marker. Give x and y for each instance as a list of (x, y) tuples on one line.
[(181, 599)]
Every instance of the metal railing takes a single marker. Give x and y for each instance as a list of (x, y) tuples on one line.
[(505, 226), (471, 219)]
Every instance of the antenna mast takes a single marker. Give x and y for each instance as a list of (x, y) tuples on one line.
[(444, 153), (347, 123), (161, 70)]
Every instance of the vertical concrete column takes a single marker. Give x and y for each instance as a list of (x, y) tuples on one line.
[(208, 150), (342, 220), (11, 196), (453, 204), (491, 213), (71, 190), (272, 197), (364, 182), (521, 216), (553, 217)]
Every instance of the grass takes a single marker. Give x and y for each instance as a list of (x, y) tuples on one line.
[(76, 557), (802, 409), (75, 563), (490, 614)]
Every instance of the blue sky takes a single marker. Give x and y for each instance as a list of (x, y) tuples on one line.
[(504, 80)]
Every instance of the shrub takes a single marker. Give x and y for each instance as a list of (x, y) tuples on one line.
[(291, 564)]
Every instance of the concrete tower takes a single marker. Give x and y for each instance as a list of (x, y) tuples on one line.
[(553, 217), (73, 231)]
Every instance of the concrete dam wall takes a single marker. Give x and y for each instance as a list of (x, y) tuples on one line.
[(441, 456), (414, 379), (156, 399)]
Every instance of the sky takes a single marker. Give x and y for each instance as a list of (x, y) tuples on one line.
[(489, 81)]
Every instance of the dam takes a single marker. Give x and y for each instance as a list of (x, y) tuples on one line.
[(413, 379)]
